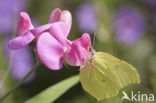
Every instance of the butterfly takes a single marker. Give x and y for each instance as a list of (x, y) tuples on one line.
[(103, 75)]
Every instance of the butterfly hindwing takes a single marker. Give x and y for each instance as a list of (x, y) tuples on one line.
[(105, 75)]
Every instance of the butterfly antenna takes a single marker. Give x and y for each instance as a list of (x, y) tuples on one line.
[(94, 39)]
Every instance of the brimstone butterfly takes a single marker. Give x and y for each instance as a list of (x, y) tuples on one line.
[(103, 75)]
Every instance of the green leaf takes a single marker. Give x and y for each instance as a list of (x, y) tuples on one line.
[(104, 75), (55, 91)]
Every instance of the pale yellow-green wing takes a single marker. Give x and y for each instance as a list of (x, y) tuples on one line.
[(105, 75)]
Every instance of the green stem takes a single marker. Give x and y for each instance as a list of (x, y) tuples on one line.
[(19, 83)]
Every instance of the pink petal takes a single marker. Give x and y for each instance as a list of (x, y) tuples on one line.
[(74, 56), (69, 43), (85, 40), (59, 31), (37, 31), (24, 24), (55, 15), (50, 51), (66, 17), (21, 41), (78, 51)]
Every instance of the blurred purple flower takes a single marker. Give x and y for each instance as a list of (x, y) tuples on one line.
[(1, 89), (151, 3), (22, 62), (128, 25), (8, 9), (1, 83), (86, 17)]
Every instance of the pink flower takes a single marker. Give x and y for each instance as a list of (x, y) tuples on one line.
[(24, 35), (56, 16), (27, 33), (52, 46), (51, 51), (78, 50)]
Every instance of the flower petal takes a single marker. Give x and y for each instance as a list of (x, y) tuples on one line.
[(21, 41), (59, 31), (37, 31), (55, 15), (74, 56), (50, 51), (66, 17), (85, 40), (24, 24), (78, 50)]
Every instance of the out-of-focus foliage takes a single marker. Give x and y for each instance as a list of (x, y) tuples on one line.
[(141, 53), (55, 91)]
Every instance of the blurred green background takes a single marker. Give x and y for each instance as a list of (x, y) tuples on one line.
[(124, 29)]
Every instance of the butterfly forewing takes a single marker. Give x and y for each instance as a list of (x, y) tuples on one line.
[(106, 75)]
